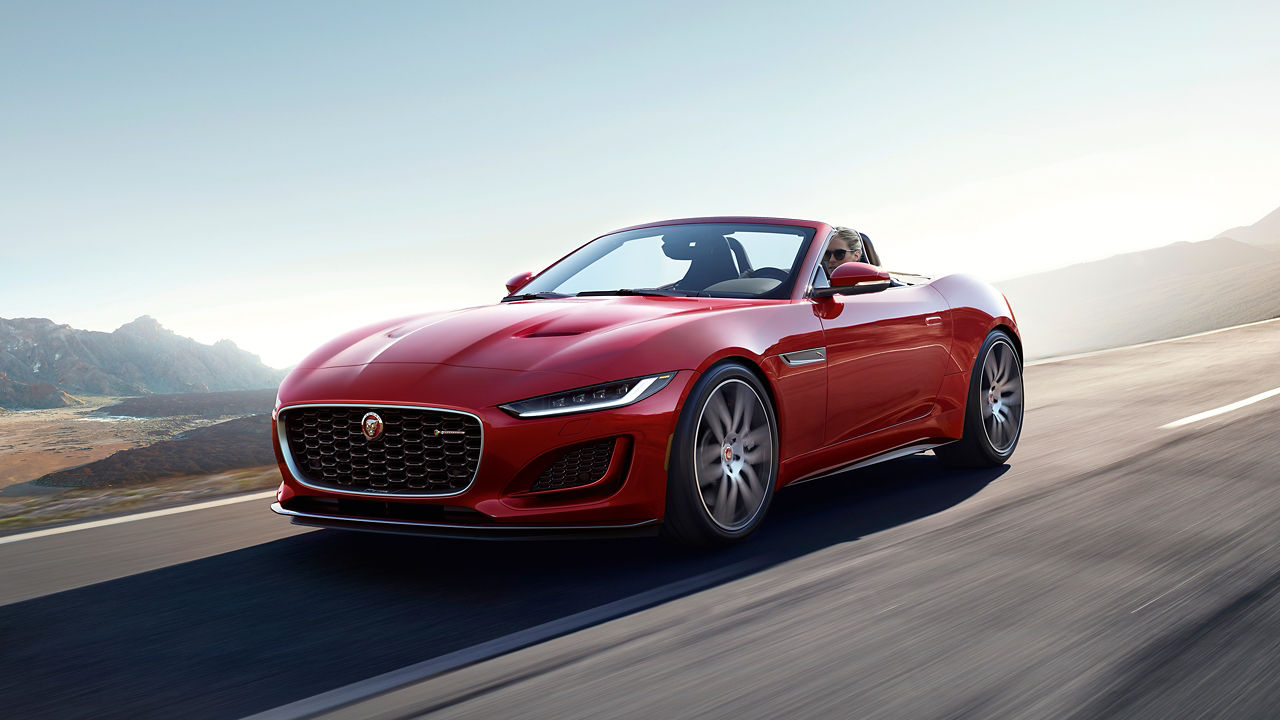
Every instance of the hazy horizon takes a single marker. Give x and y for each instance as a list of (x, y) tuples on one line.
[(276, 174)]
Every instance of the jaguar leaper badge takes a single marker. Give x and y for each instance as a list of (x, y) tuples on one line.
[(371, 425)]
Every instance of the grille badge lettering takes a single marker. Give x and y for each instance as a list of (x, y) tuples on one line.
[(371, 425), (450, 432)]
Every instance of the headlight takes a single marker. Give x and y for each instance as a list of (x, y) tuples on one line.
[(586, 399)]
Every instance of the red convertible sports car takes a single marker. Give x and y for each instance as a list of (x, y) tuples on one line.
[(668, 377)]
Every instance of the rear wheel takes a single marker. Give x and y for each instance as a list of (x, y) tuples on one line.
[(723, 462), (993, 414)]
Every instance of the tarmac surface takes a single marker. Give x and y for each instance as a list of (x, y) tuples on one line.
[(1114, 568)]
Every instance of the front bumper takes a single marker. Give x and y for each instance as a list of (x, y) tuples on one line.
[(499, 503), (643, 528)]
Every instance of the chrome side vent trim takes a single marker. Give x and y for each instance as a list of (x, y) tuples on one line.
[(804, 357)]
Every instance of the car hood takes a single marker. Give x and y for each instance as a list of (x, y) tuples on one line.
[(529, 335)]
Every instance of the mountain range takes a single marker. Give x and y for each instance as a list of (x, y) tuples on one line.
[(44, 364), (1179, 289), (1265, 232)]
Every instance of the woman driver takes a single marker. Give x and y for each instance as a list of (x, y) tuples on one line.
[(844, 246)]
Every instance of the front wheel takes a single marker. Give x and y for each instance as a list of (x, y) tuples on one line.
[(993, 412), (724, 460)]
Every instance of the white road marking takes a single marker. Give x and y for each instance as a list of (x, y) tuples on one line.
[(136, 516), (1093, 353), (1219, 411), (411, 674)]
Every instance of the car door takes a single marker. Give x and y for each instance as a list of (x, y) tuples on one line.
[(886, 354)]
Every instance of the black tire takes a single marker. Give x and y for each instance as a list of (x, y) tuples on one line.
[(993, 409), (724, 460)]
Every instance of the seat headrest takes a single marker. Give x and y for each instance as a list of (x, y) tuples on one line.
[(688, 243)]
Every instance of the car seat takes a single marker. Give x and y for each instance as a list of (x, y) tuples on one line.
[(711, 260)]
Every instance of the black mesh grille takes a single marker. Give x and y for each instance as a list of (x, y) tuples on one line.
[(418, 452), (580, 465)]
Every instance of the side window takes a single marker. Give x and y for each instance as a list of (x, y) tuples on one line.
[(820, 279)]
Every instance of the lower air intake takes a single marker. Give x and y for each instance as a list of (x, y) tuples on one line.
[(579, 465)]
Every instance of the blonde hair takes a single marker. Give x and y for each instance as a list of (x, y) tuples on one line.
[(852, 239)]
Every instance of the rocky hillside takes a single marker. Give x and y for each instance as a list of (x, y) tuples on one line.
[(36, 395), (139, 358)]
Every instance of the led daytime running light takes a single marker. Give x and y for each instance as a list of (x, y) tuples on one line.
[(587, 399)]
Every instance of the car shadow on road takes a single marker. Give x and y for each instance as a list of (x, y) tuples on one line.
[(252, 629)]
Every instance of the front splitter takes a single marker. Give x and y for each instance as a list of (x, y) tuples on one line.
[(644, 528)]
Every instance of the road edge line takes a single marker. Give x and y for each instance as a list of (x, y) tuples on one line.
[(32, 535)]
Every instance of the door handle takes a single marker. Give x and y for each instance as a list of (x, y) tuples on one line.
[(933, 320)]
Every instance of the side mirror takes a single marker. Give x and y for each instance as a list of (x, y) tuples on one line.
[(855, 278), (518, 282)]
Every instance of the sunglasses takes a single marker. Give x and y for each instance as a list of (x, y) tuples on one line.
[(837, 254)]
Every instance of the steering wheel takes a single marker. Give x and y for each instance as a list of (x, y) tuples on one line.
[(769, 272)]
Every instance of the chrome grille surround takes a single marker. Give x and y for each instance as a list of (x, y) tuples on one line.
[(394, 415)]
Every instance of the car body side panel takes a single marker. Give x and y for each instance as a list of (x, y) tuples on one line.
[(886, 355), (800, 400), (761, 335), (973, 310), (977, 309)]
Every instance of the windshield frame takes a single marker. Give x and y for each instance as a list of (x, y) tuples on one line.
[(807, 232)]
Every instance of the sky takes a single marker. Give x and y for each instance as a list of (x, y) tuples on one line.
[(277, 172)]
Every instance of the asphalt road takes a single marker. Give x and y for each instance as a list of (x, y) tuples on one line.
[(1112, 569)]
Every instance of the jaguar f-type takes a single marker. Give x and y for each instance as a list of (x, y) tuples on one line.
[(664, 378)]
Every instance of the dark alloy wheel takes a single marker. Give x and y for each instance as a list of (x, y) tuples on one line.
[(993, 414), (724, 459)]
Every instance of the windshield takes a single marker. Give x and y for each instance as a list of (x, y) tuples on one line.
[(723, 260)]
